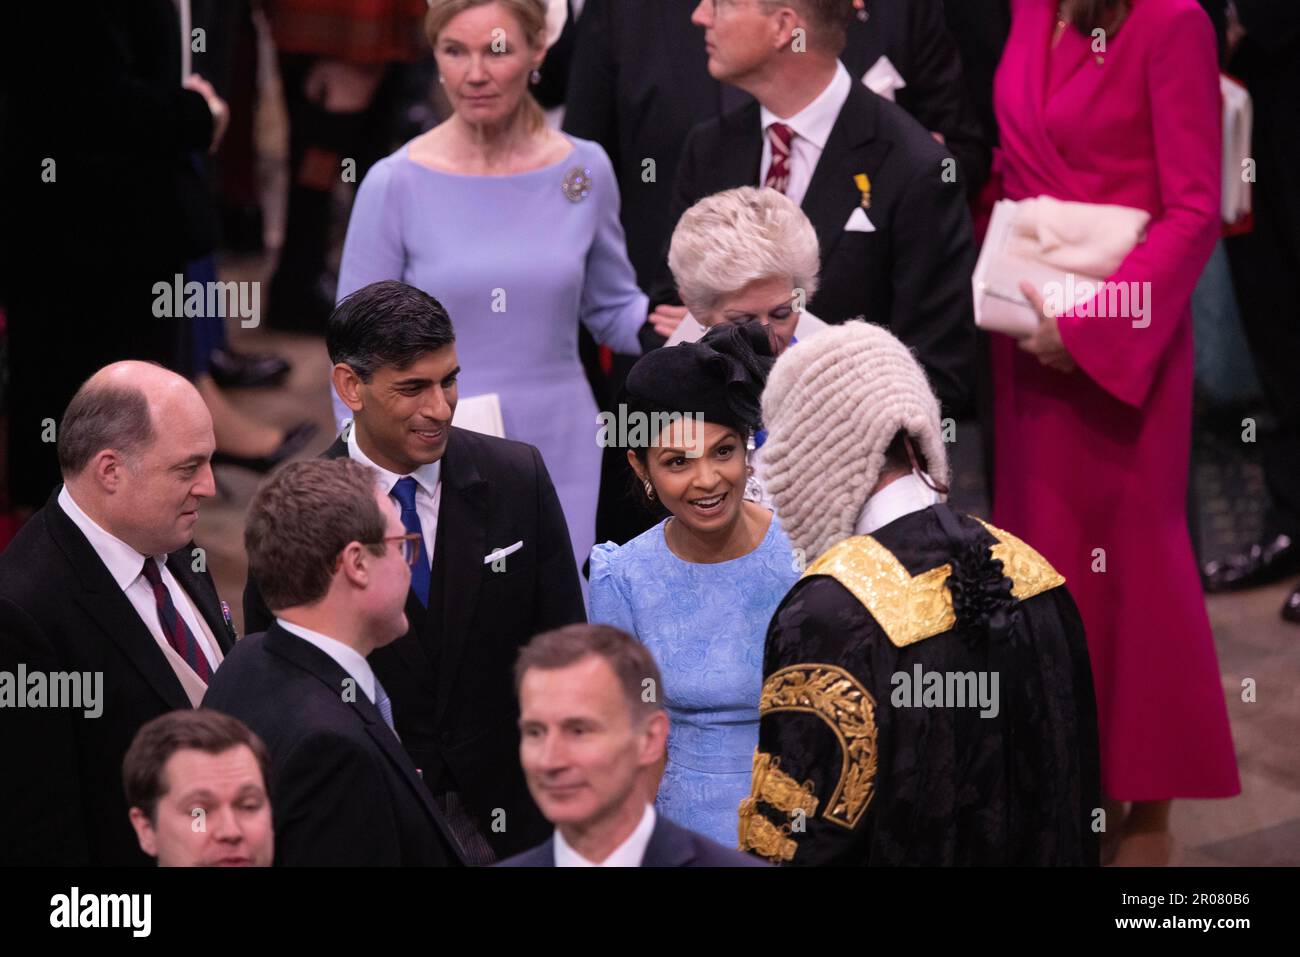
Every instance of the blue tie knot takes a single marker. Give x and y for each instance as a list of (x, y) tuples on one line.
[(404, 492)]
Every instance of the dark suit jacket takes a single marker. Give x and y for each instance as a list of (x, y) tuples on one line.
[(914, 35), (451, 677), (61, 772), (912, 274), (670, 846), (343, 791)]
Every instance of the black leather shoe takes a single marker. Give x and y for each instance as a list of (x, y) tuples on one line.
[(1269, 560), (1291, 608), (295, 440), (239, 370)]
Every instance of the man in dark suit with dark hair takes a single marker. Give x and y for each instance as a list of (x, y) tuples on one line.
[(103, 593), (593, 747), (328, 547), (494, 569), (883, 196)]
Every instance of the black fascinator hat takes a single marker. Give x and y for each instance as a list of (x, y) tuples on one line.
[(719, 378)]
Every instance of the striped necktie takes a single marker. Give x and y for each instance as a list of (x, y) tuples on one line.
[(778, 172), (174, 629)]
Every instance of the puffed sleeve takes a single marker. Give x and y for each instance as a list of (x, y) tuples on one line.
[(812, 794), (611, 602), (613, 308)]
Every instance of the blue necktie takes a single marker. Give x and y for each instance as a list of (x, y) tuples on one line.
[(404, 492), (385, 707)]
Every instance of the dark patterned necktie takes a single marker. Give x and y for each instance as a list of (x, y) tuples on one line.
[(175, 630), (404, 492), (778, 171)]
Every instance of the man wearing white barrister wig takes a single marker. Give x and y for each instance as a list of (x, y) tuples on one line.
[(927, 697)]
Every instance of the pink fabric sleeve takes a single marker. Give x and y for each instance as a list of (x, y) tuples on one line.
[(1183, 85)]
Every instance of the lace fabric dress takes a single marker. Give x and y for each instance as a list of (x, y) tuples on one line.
[(706, 626)]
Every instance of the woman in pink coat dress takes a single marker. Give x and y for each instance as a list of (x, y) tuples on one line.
[(1093, 414)]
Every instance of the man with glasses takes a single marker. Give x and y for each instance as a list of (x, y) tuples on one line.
[(494, 565), (333, 560)]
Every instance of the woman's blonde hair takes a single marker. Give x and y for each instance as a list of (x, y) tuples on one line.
[(730, 239), (531, 15)]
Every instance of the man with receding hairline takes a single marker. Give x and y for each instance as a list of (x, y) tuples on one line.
[(593, 738), (105, 579)]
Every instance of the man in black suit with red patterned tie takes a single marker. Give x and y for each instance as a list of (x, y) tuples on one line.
[(102, 592), (885, 198), (495, 565)]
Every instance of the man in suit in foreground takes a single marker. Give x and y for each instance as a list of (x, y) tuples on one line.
[(884, 197), (495, 565), (594, 733), (103, 596), (328, 548)]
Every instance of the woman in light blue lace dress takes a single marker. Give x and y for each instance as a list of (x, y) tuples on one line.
[(699, 588)]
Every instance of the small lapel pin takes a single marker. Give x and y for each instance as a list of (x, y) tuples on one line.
[(864, 187), (230, 622)]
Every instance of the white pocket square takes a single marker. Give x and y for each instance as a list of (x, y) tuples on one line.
[(492, 556), (883, 78), (858, 222)]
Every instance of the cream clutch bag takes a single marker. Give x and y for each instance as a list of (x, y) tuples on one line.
[(1055, 245)]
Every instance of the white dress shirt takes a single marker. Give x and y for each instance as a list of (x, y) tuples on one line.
[(628, 854), (900, 497), (349, 659), (812, 127), (428, 489), (126, 565)]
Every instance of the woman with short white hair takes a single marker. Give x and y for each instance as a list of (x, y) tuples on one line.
[(743, 255)]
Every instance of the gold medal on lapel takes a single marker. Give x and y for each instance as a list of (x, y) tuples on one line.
[(864, 187)]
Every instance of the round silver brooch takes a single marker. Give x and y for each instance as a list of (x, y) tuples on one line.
[(577, 184)]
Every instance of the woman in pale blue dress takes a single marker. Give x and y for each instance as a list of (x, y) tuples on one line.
[(699, 588), (514, 228)]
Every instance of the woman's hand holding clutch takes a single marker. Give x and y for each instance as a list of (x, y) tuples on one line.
[(1045, 344)]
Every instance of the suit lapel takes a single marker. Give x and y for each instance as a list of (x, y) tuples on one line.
[(832, 193), (461, 545), (328, 671), (202, 591), (108, 607), (742, 148), (669, 846)]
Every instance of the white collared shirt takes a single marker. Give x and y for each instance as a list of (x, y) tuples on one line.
[(428, 489), (628, 854), (347, 658), (812, 127), (126, 565), (900, 497)]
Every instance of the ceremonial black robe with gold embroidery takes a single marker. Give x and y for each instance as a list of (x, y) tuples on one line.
[(874, 745)]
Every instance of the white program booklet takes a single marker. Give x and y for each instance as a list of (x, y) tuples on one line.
[(480, 413)]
